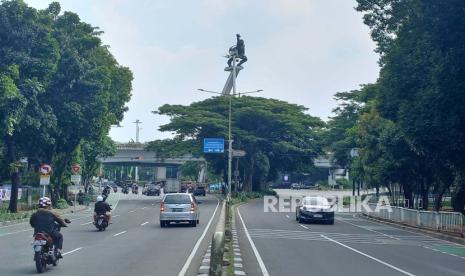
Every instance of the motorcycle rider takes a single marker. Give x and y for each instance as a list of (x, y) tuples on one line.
[(44, 220), (102, 207), (106, 192)]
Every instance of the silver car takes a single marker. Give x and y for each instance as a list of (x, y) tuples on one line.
[(177, 207)]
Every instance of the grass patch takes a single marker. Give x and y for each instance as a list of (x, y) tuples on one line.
[(6, 215)]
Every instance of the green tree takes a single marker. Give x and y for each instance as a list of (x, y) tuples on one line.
[(276, 135), (421, 82)]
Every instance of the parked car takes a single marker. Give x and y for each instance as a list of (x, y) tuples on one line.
[(200, 191), (296, 186), (179, 208), (315, 208)]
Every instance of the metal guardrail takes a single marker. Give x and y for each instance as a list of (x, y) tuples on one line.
[(439, 221), (217, 247)]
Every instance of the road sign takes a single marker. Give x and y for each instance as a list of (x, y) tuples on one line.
[(239, 153), (76, 178), (45, 169), (76, 169), (44, 179), (213, 145), (286, 177)]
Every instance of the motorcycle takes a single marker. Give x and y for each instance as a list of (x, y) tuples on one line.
[(44, 250), (125, 190), (101, 222), (115, 189)]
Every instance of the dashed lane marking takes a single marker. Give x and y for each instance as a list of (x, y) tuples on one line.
[(72, 251), (120, 233)]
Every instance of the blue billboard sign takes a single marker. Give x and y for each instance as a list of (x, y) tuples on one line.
[(213, 145)]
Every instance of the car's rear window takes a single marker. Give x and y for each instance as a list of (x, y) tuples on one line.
[(315, 201), (177, 199)]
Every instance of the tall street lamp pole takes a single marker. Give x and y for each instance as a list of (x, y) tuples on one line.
[(230, 141)]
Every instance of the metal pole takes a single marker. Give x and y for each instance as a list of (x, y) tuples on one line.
[(229, 131), (43, 192)]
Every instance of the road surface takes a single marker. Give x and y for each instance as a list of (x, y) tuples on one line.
[(133, 245), (352, 246)]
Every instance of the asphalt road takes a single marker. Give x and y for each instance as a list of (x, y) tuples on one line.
[(133, 245), (352, 246)]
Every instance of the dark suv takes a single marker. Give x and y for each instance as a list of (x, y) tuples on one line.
[(200, 191)]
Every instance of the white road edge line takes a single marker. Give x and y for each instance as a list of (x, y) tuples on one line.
[(87, 223), (196, 246), (117, 234), (252, 244), (287, 216), (304, 226), (72, 251), (144, 223), (368, 256)]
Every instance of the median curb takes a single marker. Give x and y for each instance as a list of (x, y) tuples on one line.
[(434, 234)]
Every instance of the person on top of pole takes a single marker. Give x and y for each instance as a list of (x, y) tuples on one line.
[(237, 51)]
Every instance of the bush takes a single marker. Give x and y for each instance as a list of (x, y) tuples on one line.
[(344, 183), (62, 204)]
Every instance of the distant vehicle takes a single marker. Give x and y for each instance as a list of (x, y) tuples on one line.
[(172, 186), (315, 208), (200, 191), (151, 190), (296, 186), (179, 208)]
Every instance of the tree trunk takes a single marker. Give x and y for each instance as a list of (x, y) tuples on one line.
[(424, 194), (250, 174), (458, 198), (12, 158)]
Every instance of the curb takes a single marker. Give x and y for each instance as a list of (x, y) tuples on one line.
[(423, 231), (18, 221)]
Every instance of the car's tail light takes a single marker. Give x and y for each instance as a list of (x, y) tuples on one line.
[(192, 207), (162, 207)]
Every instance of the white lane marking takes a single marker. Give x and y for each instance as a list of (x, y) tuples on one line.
[(72, 251), (368, 229), (287, 216), (116, 205), (369, 256), (132, 211), (115, 216), (196, 246), (144, 223), (87, 223), (252, 244), (144, 208), (117, 234), (304, 226)]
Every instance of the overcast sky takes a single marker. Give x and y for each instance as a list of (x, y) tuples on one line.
[(300, 51)]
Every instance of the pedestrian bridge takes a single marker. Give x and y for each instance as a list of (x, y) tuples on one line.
[(137, 155)]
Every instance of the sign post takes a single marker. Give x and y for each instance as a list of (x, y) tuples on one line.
[(45, 172), (75, 179), (213, 145)]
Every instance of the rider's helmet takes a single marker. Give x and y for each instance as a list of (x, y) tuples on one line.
[(44, 202), (99, 198)]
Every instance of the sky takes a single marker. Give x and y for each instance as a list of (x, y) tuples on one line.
[(299, 51)]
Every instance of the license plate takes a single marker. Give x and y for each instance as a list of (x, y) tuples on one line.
[(317, 216), (39, 242), (177, 209)]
